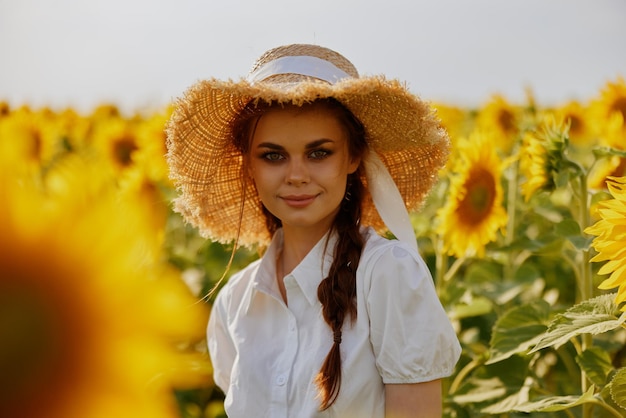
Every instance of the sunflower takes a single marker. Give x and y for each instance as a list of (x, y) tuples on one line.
[(610, 165), (105, 112), (612, 101), (116, 141), (610, 232), (455, 120), (534, 166), (606, 168), (541, 156), (5, 109), (473, 213), (575, 115), (150, 155), (75, 129), (90, 321), (29, 140), (501, 119)]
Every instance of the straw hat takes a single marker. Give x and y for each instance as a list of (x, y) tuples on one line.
[(401, 131)]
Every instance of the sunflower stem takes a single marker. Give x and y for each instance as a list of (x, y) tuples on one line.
[(465, 371), (586, 283), (511, 206), (608, 408), (441, 265), (454, 268)]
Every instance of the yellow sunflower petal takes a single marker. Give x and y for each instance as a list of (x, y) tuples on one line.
[(610, 266), (610, 237), (617, 278)]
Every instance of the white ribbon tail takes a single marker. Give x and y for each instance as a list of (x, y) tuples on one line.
[(388, 201)]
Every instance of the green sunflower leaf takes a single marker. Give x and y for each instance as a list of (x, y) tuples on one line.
[(492, 384), (593, 316), (596, 364), (477, 307), (618, 387), (570, 230), (556, 403), (518, 330), (567, 228)]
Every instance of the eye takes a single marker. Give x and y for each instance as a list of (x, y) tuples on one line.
[(272, 156), (319, 154)]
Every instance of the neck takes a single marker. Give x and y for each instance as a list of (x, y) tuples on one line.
[(296, 245)]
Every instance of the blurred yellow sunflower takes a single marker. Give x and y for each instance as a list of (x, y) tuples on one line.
[(610, 165), (540, 156), (533, 166), (473, 213), (105, 112), (611, 101), (610, 232), (5, 109), (117, 142), (501, 119), (29, 139), (150, 156), (90, 322), (575, 114), (457, 121), (75, 129)]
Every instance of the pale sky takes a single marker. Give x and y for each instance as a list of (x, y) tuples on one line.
[(141, 54)]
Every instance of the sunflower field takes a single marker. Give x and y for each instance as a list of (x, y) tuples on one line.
[(104, 289)]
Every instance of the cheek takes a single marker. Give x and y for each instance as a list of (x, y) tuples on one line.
[(338, 171), (263, 181)]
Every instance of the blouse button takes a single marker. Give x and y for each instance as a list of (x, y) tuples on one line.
[(280, 380)]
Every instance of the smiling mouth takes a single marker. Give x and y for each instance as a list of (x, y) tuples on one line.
[(299, 201)]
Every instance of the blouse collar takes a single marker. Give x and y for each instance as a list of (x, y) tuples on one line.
[(308, 274)]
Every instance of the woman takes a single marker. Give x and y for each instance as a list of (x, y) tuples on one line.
[(333, 320)]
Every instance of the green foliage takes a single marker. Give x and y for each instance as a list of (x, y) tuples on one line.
[(538, 338), (618, 388), (556, 403), (518, 330), (593, 316), (596, 364)]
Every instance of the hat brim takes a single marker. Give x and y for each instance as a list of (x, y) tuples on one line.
[(207, 168)]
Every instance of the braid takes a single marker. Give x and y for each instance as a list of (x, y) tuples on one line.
[(337, 292)]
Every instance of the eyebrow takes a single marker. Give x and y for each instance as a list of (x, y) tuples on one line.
[(310, 145)]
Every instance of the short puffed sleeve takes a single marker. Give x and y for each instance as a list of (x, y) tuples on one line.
[(411, 335)]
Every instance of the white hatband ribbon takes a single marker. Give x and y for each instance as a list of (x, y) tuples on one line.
[(304, 65), (388, 200)]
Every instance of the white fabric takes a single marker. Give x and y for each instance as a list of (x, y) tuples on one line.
[(305, 65), (266, 354), (388, 200)]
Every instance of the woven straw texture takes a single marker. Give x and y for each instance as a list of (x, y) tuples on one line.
[(217, 197)]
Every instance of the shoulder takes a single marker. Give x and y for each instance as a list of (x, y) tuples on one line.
[(381, 252), (391, 265)]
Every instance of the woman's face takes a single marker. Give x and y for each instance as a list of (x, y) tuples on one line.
[(299, 160)]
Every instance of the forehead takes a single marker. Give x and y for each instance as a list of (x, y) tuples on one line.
[(310, 122)]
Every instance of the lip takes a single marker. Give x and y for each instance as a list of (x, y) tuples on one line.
[(298, 201)]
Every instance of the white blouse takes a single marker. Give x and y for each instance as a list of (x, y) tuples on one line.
[(266, 354)]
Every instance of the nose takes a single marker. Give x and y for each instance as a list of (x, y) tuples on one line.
[(297, 172)]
